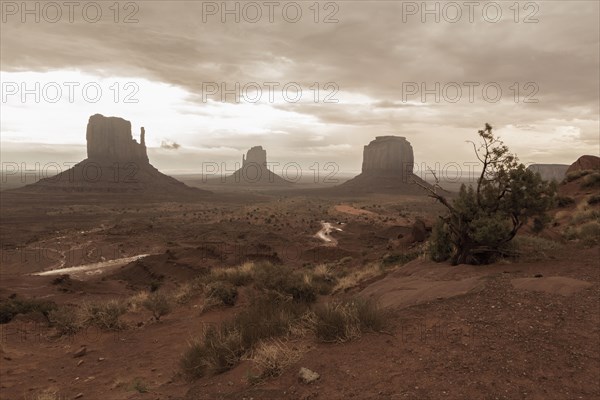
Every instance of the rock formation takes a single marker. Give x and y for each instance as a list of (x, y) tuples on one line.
[(110, 139), (585, 163), (254, 171), (116, 163), (550, 172), (388, 155), (257, 156), (387, 168)]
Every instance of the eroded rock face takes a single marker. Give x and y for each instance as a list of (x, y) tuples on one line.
[(585, 163), (388, 155), (256, 155), (110, 139)]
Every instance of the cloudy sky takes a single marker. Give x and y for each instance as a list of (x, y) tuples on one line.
[(315, 81)]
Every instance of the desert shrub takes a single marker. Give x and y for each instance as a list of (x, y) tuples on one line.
[(573, 175), (589, 233), (183, 294), (285, 281), (530, 248), (321, 279), (540, 222), (155, 285), (582, 216), (564, 201), (225, 292), (140, 386), (594, 199), (136, 302), (218, 351), (237, 276), (222, 345), (12, 307), (66, 320), (272, 358), (105, 316), (267, 317), (347, 320), (158, 303), (591, 180)]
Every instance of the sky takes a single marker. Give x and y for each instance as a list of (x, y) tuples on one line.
[(312, 82)]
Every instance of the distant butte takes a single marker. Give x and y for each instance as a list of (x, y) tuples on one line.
[(254, 171), (550, 172), (110, 139), (387, 167), (115, 163)]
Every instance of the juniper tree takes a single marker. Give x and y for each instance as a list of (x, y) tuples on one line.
[(483, 219)]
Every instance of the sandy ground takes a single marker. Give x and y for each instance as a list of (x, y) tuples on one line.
[(511, 330)]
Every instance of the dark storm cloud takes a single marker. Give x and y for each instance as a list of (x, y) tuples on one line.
[(371, 52)]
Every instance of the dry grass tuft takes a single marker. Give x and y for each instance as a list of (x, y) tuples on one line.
[(347, 320), (105, 316), (136, 302), (273, 357), (356, 277)]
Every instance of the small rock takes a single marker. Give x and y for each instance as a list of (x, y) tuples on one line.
[(307, 376), (101, 358), (539, 275), (81, 352), (79, 362), (79, 395)]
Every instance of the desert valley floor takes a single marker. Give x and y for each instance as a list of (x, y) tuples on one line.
[(525, 327)]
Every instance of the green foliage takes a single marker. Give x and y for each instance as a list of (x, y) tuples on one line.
[(484, 218), (440, 243)]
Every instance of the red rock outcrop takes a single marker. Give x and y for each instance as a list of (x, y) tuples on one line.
[(585, 163)]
